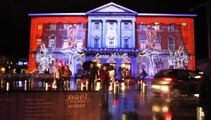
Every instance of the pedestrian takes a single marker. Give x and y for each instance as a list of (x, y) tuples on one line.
[(66, 74), (92, 75), (57, 77), (143, 74), (104, 76)]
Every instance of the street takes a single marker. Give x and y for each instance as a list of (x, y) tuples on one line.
[(133, 104)]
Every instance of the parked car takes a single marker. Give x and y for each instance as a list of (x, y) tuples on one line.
[(176, 82)]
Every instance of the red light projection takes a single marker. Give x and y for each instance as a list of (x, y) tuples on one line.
[(37, 37)]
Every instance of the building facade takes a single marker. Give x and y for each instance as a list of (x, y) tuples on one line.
[(111, 33)]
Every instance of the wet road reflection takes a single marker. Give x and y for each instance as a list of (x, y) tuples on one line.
[(132, 104)]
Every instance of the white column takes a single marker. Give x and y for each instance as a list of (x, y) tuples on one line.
[(103, 43), (119, 34), (89, 42), (133, 34)]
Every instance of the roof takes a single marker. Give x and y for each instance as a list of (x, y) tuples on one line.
[(112, 9)]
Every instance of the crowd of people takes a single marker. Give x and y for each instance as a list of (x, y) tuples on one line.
[(63, 73)]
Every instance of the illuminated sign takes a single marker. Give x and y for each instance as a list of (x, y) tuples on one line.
[(113, 55)]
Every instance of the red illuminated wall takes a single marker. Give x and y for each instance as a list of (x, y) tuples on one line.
[(37, 29), (187, 32)]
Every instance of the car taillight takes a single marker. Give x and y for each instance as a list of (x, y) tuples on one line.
[(167, 79)]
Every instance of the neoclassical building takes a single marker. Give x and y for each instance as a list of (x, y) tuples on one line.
[(128, 40)]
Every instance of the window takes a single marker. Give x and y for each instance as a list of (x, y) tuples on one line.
[(96, 43), (53, 27), (143, 38), (52, 36), (142, 27), (158, 42), (142, 42), (97, 26), (51, 41), (171, 43), (126, 43), (126, 26), (39, 27), (171, 27)]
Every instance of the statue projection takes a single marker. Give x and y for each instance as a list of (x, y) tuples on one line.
[(111, 34), (155, 52), (65, 43)]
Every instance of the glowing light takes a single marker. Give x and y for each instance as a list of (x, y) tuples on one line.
[(165, 109), (167, 79), (168, 116), (2, 69), (165, 88), (123, 65), (196, 95), (197, 77), (97, 86), (20, 84), (98, 65), (155, 108), (123, 86)]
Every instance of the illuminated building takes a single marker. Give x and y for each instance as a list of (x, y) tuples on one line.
[(113, 34)]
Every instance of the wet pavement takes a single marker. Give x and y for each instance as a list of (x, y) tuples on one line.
[(129, 102), (133, 104)]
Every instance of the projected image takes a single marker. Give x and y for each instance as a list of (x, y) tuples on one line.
[(60, 43), (159, 44)]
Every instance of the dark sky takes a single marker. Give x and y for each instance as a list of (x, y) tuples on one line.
[(15, 22)]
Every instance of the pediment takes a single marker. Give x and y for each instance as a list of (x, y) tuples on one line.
[(111, 9)]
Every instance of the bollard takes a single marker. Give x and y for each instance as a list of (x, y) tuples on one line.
[(46, 86), (200, 113), (98, 86), (87, 84), (122, 86), (144, 87), (7, 86), (83, 86), (116, 87), (110, 86), (29, 84), (139, 84), (25, 85), (65, 85)]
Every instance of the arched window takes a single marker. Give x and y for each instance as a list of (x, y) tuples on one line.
[(171, 43), (158, 38), (51, 41), (171, 27), (142, 42), (142, 27)]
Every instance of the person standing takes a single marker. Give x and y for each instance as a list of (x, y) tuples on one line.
[(92, 75), (104, 76), (143, 74), (57, 77), (66, 74)]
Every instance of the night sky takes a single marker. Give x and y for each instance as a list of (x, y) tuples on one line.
[(15, 22)]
